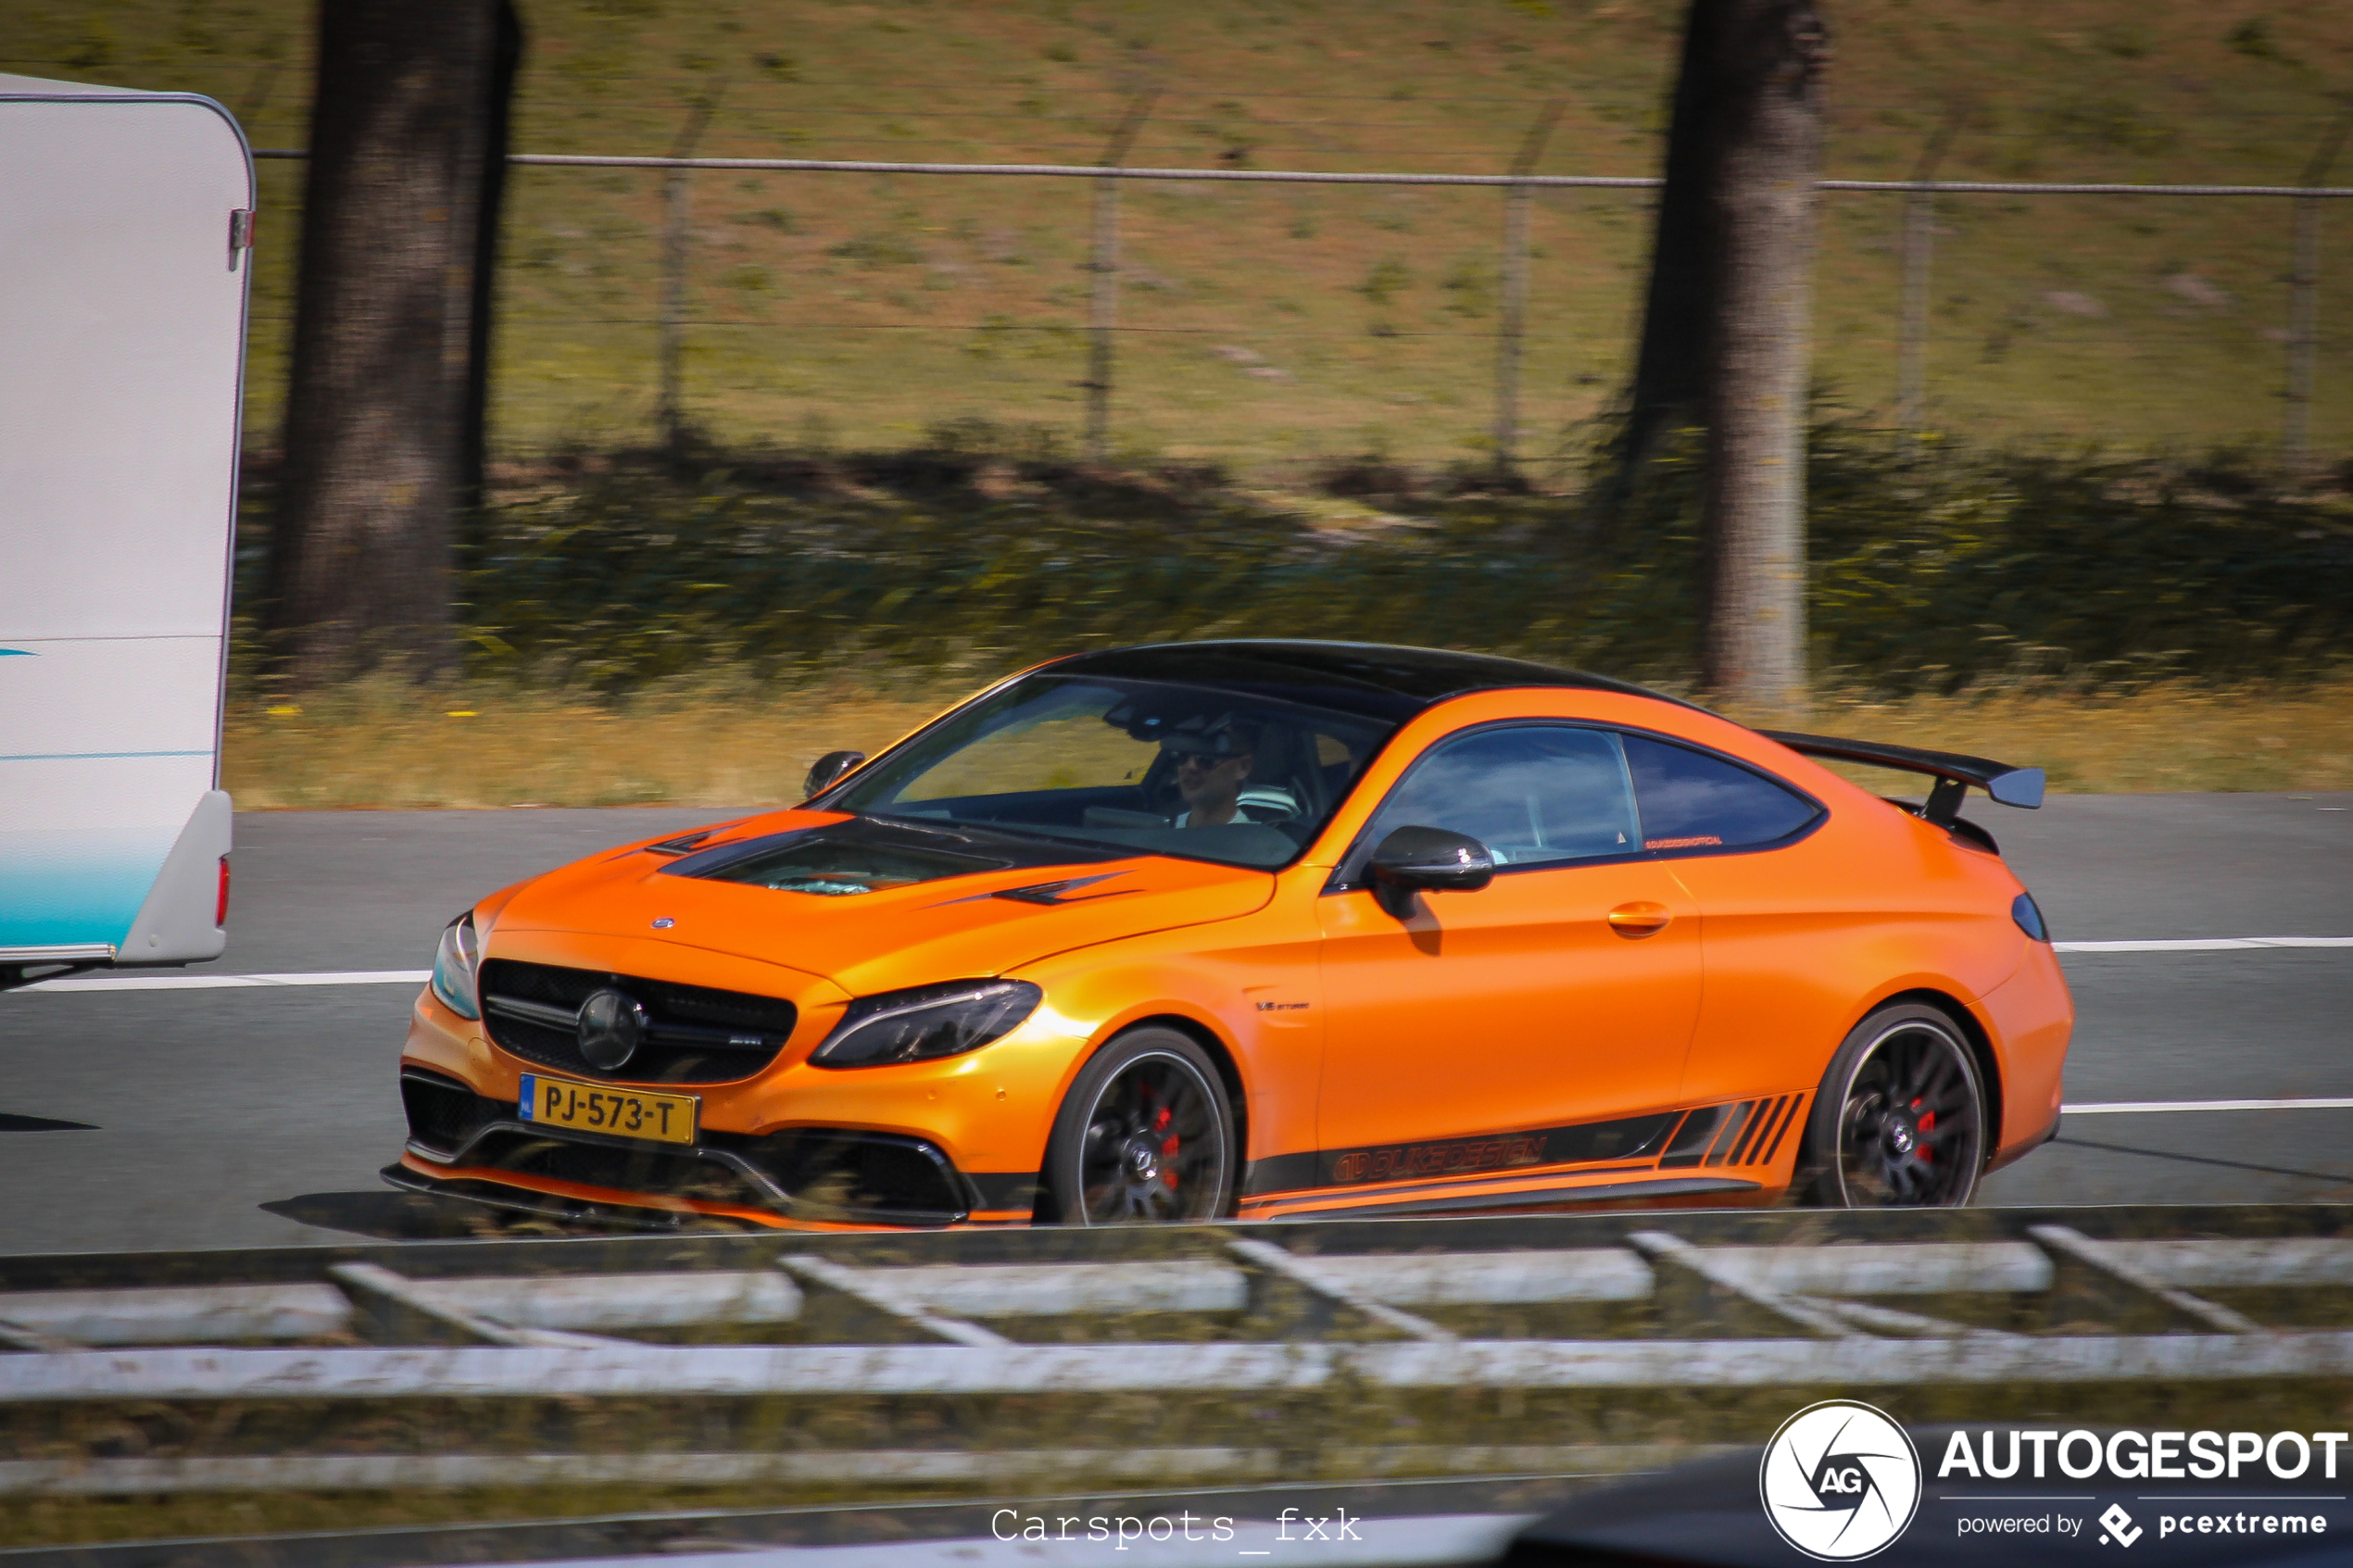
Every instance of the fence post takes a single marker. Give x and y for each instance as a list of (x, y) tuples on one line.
[(1918, 245), (1102, 316), (2304, 302), (1511, 329), (674, 193)]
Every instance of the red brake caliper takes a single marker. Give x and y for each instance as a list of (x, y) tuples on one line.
[(1926, 1124), (1168, 1148)]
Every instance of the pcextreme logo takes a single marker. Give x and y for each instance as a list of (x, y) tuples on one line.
[(1840, 1481)]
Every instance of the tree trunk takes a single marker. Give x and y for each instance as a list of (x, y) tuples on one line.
[(1766, 66), (1725, 327), (377, 398), (1670, 366), (506, 60)]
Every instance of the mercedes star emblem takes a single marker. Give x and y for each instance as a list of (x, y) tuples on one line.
[(611, 1028)]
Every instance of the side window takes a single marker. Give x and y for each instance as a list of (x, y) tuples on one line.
[(1533, 795), (1691, 800)]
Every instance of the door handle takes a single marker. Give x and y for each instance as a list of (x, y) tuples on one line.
[(1640, 919)]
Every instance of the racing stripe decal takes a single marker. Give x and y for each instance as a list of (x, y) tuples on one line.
[(1745, 1133)]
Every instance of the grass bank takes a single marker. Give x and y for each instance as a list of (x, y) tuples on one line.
[(986, 546), (636, 632)]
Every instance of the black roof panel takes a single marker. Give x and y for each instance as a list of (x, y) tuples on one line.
[(1398, 680)]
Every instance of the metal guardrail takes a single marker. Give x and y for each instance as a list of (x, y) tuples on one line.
[(981, 1359)]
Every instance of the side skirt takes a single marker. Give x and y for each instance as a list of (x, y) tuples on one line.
[(1733, 1144)]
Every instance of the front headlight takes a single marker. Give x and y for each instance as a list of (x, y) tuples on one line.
[(926, 1021), (453, 967)]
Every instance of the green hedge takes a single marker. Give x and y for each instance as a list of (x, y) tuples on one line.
[(1929, 569)]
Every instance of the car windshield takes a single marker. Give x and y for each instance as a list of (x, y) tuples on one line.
[(1154, 767)]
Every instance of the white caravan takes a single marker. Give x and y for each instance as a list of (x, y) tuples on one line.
[(123, 267)]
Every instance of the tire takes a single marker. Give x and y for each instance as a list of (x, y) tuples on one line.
[(1145, 1136), (1912, 1060)]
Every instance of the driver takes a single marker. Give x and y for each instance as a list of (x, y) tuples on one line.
[(1210, 770)]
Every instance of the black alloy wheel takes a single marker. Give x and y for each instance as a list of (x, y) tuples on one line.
[(1144, 1138), (1900, 1120)]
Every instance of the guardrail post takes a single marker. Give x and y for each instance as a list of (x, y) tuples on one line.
[(676, 193), (2091, 1283), (1292, 1290), (1918, 246), (1512, 330), (16, 1337), (862, 1307), (1103, 315), (1696, 1296), (392, 1309), (2303, 301)]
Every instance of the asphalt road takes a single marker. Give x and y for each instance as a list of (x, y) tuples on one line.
[(244, 1117)]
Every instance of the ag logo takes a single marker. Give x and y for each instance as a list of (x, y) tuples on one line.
[(1840, 1481)]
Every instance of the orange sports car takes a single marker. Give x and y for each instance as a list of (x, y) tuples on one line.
[(1261, 929)]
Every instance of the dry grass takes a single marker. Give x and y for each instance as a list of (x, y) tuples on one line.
[(726, 744), (2164, 738), (383, 744)]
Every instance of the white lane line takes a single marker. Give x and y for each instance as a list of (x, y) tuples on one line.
[(236, 981), (2145, 1106), (2203, 944)]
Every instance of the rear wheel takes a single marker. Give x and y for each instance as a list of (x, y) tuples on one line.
[(1899, 1122), (1145, 1136)]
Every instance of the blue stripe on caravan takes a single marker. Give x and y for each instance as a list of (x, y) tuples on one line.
[(20, 653), (93, 756)]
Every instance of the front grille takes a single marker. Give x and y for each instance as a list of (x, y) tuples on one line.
[(697, 1034), (444, 1114)]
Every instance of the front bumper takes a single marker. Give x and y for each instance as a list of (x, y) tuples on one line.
[(465, 1145)]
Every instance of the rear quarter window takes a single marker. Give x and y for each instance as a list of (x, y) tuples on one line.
[(1692, 800)]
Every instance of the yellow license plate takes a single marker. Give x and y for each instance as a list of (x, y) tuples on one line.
[(597, 1107)]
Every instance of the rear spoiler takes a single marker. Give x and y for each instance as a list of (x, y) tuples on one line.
[(1954, 772)]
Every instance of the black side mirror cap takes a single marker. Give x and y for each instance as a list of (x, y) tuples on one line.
[(1418, 860), (828, 771)]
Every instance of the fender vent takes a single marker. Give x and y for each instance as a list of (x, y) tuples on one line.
[(1748, 1131)]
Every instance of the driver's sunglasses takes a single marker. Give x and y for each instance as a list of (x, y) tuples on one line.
[(1204, 759)]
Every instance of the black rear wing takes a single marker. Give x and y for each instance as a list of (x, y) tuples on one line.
[(1954, 772)]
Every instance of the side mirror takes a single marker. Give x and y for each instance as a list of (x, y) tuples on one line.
[(1418, 860), (828, 771)]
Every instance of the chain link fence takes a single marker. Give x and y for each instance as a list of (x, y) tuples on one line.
[(1294, 271), (1465, 347)]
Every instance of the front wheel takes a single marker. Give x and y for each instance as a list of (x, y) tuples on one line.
[(1899, 1122), (1145, 1136)]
